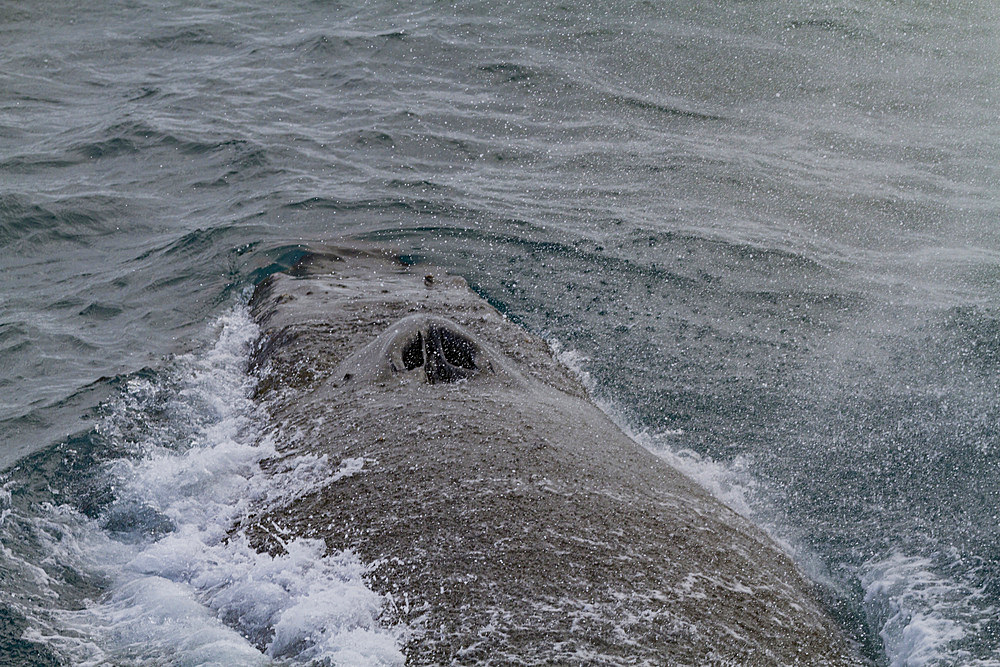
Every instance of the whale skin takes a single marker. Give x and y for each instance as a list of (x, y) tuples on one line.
[(503, 516)]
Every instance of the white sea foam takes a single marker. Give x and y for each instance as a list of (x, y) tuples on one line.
[(732, 484), (198, 594), (920, 613)]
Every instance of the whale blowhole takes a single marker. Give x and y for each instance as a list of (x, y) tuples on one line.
[(445, 355), (413, 353), (442, 349)]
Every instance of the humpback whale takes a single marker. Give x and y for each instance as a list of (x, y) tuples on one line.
[(504, 517)]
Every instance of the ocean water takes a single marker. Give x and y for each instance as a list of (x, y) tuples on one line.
[(767, 232)]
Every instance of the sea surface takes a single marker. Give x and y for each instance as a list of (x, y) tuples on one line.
[(767, 232)]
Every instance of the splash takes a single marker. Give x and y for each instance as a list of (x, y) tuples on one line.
[(921, 614), (176, 584)]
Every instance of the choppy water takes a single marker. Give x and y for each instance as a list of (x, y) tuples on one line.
[(768, 231)]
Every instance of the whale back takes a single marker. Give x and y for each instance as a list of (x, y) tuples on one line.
[(504, 517)]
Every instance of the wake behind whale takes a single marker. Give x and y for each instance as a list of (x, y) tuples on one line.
[(504, 517)]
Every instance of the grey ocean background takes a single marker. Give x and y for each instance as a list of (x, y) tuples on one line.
[(767, 230)]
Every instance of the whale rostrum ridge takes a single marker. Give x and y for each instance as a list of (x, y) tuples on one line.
[(504, 517)]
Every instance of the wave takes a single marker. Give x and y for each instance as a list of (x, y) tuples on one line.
[(187, 36), (39, 220), (678, 108), (133, 138), (341, 42), (511, 72)]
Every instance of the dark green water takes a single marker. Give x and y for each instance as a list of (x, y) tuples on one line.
[(768, 229)]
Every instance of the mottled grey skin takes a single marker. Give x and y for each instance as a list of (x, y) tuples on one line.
[(508, 520)]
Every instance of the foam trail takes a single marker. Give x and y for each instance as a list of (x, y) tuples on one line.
[(921, 615), (180, 589)]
